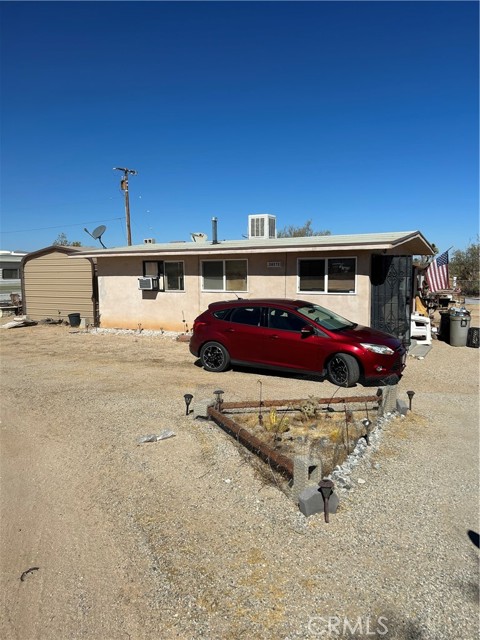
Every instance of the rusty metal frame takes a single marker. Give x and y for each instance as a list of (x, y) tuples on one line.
[(279, 461)]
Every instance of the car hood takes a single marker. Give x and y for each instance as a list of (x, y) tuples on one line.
[(360, 333)]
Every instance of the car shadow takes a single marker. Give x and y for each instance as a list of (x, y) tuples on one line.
[(310, 377)]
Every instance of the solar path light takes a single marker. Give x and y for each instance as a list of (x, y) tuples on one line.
[(326, 489), (188, 398), (218, 399), (410, 395)]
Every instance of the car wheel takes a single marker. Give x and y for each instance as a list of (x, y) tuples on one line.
[(214, 357), (343, 370)]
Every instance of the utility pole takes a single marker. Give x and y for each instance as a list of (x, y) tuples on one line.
[(124, 187)]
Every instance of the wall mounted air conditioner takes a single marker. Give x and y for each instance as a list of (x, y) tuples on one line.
[(262, 226), (148, 283)]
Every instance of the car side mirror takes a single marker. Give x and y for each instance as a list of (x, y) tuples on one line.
[(307, 330)]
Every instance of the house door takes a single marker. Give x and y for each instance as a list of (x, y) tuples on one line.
[(391, 279)]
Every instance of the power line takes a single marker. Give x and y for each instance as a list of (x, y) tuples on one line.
[(63, 226)]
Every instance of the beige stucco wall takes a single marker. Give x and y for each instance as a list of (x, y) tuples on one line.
[(123, 305)]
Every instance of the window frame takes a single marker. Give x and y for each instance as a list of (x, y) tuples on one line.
[(224, 289), (326, 265), (159, 268), (17, 270)]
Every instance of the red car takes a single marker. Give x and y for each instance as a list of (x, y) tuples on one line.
[(295, 336)]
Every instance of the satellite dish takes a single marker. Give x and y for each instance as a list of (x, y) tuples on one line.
[(97, 233)]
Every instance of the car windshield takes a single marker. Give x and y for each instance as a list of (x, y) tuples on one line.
[(325, 318)]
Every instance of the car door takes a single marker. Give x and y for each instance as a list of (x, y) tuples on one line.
[(285, 345), (243, 334)]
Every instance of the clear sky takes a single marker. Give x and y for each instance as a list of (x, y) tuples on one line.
[(361, 116)]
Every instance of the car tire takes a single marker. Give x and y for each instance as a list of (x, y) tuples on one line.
[(214, 357), (343, 370)]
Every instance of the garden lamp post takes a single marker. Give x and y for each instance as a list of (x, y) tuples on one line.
[(410, 395), (218, 399), (326, 489), (188, 398)]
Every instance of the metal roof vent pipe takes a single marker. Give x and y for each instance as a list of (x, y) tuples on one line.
[(214, 231)]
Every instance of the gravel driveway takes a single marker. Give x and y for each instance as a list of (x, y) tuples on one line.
[(191, 537)]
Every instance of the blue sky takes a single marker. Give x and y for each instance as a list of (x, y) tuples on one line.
[(361, 116)]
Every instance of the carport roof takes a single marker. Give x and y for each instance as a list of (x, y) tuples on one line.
[(393, 243)]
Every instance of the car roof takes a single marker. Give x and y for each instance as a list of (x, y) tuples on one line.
[(240, 302)]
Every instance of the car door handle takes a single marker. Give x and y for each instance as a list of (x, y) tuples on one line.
[(274, 337), (229, 330)]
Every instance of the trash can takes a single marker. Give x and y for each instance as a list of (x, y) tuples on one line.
[(444, 329), (74, 320), (473, 337), (459, 326)]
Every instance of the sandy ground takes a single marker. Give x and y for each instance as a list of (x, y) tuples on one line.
[(189, 537)]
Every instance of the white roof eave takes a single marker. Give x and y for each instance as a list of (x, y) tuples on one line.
[(388, 242)]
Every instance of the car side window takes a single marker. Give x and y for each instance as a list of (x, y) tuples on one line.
[(221, 314), (284, 320), (246, 315)]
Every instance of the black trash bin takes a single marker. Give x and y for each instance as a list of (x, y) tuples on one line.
[(473, 337), (444, 332), (74, 319)]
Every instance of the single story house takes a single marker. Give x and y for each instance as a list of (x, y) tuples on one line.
[(368, 278)]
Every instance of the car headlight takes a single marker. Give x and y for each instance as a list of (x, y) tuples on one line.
[(378, 348)]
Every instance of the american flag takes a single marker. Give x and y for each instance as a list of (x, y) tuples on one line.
[(437, 273)]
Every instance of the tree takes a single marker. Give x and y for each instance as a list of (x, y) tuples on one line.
[(465, 265), (306, 231), (63, 241)]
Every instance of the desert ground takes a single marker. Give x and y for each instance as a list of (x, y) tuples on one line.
[(192, 537)]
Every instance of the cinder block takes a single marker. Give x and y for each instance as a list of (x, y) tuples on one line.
[(310, 501), (200, 407), (389, 399), (305, 471), (402, 407)]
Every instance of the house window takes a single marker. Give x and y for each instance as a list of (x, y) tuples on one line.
[(331, 275), (341, 275), (224, 275), (151, 268), (311, 274), (170, 274), (10, 274), (173, 276)]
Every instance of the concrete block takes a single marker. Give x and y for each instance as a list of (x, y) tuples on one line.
[(305, 471), (402, 407), (200, 407), (310, 501), (389, 399)]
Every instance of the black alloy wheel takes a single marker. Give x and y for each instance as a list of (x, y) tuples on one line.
[(214, 357)]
